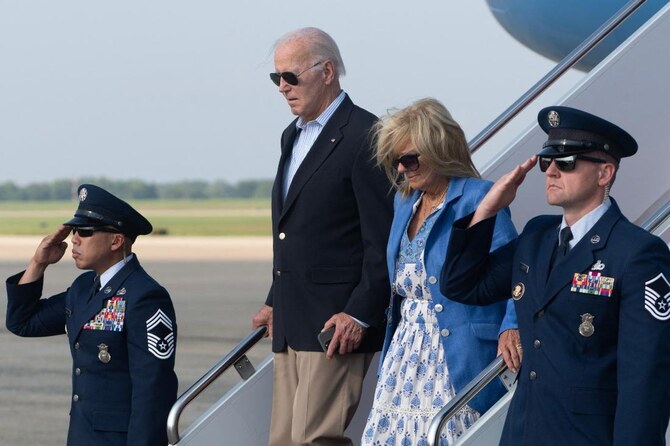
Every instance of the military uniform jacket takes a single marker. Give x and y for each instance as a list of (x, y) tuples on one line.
[(329, 235), (122, 342), (595, 329)]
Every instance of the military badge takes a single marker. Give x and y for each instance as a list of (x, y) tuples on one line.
[(103, 353), (121, 292), (592, 283), (108, 289), (553, 118), (83, 193), (518, 291), (657, 297), (160, 335), (595, 239), (598, 266), (586, 328), (109, 318)]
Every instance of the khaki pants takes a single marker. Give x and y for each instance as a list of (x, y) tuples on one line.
[(314, 398)]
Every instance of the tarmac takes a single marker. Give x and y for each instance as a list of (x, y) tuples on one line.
[(216, 284)]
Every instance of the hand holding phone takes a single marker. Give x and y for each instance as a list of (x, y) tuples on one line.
[(325, 337)]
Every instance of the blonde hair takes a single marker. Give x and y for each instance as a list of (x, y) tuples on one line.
[(435, 135)]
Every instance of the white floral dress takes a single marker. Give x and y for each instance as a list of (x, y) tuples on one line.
[(413, 383)]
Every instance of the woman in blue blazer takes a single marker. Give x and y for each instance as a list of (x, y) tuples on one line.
[(433, 346)]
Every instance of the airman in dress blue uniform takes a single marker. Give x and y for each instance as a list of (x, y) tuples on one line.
[(593, 304), (119, 321)]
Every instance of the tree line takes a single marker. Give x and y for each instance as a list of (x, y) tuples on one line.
[(138, 189)]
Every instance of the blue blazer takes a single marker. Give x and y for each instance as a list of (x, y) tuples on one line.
[(469, 333), (124, 399), (596, 365)]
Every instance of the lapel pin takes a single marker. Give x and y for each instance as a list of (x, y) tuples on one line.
[(595, 239), (108, 290), (121, 292)]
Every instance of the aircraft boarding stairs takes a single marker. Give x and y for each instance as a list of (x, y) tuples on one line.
[(629, 87)]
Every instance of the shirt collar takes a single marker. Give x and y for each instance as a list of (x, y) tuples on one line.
[(111, 272), (584, 224), (323, 118)]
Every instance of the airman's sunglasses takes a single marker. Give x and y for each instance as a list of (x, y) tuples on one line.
[(88, 231), (566, 163), (289, 77), (410, 162)]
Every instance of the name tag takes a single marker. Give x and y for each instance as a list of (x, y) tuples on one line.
[(110, 318), (593, 283)]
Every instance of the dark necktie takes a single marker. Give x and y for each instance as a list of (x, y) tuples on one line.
[(564, 240), (96, 286)]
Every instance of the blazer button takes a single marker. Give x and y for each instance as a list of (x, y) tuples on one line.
[(438, 308), (432, 280), (282, 236), (537, 343), (277, 273), (532, 376), (445, 332), (75, 398), (77, 371)]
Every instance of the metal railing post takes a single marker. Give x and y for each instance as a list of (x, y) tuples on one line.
[(189, 395)]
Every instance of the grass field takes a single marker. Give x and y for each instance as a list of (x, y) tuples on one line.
[(231, 217)]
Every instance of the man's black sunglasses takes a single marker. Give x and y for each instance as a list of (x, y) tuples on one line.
[(289, 77), (410, 162), (88, 231), (566, 163)]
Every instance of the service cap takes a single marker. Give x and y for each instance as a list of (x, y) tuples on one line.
[(571, 131), (97, 207)]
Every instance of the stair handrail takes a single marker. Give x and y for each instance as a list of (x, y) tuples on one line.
[(208, 378), (496, 368), (563, 66), (657, 218)]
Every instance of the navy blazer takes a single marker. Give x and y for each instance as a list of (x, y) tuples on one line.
[(329, 235), (469, 333), (596, 364), (123, 399)]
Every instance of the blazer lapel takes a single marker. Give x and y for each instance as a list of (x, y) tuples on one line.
[(402, 214), (286, 150), (87, 310), (327, 141)]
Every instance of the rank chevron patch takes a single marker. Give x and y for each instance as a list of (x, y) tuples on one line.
[(160, 336), (657, 297)]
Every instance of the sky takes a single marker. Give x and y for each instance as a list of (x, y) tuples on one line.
[(179, 90)]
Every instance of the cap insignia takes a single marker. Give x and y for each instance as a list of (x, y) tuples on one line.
[(83, 193), (553, 118)]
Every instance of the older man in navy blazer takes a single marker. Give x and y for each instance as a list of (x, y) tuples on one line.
[(331, 213), (592, 295), (120, 325)]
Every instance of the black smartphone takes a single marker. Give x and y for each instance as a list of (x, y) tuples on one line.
[(325, 336)]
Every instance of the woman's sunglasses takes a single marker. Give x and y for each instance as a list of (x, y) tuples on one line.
[(88, 231), (289, 77), (566, 163), (410, 162)]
